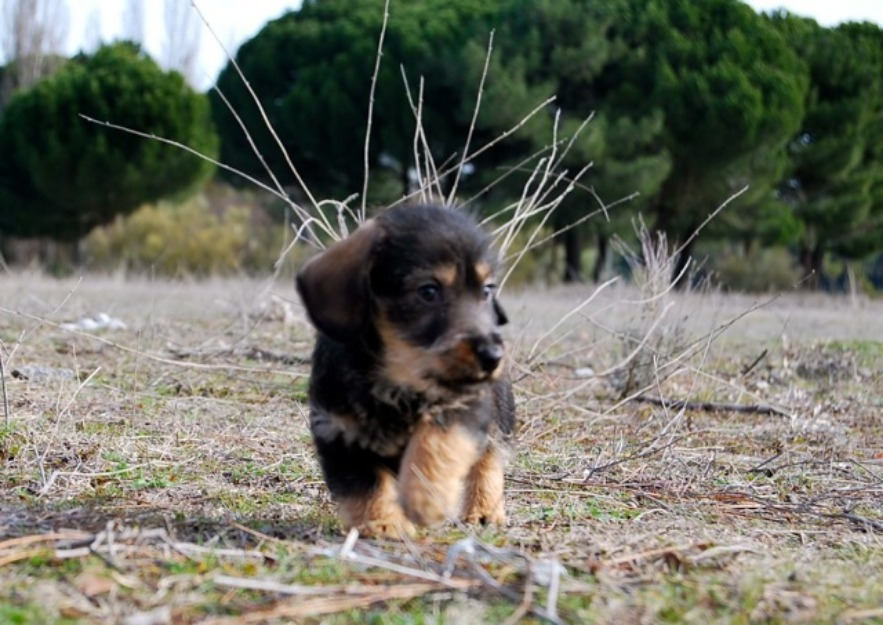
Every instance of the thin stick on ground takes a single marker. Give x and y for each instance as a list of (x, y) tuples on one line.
[(153, 357), (711, 406), (6, 414)]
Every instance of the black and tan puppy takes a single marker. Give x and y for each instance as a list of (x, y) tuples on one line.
[(409, 395)]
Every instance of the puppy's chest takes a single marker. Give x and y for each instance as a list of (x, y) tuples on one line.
[(383, 426)]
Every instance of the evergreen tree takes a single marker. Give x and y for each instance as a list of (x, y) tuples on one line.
[(312, 71), (731, 92), (835, 181), (60, 176)]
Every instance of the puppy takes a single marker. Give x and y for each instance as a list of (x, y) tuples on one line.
[(410, 399)]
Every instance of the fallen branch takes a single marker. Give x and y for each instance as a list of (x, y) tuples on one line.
[(252, 352), (709, 406), (863, 522), (300, 608), (6, 413)]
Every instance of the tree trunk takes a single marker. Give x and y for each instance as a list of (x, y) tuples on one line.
[(680, 277), (573, 249), (405, 177), (811, 258), (601, 260), (76, 253)]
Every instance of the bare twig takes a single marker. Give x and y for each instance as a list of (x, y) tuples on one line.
[(378, 57), (490, 144), (475, 111), (651, 450), (708, 219), (533, 350), (754, 363), (186, 148), (427, 175), (260, 108), (760, 467)]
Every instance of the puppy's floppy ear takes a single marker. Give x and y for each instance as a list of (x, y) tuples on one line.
[(334, 284), (502, 319)]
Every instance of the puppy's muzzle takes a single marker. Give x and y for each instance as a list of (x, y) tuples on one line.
[(488, 351)]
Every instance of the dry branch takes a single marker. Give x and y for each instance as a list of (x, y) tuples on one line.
[(710, 406), (329, 605), (367, 150)]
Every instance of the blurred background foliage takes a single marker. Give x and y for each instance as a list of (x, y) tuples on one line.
[(690, 102)]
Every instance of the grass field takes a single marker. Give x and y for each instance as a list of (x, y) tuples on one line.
[(163, 472)]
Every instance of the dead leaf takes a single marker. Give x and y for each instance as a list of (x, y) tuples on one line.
[(93, 585)]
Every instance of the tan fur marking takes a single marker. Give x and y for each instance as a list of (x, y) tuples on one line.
[(484, 490), (404, 364), (446, 275), (434, 467), (377, 514), (483, 272)]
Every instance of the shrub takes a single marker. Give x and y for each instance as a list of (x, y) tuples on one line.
[(188, 239), (757, 270)]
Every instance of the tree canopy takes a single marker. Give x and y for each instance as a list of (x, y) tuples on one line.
[(67, 175), (689, 102), (731, 92), (567, 48), (312, 70), (834, 183)]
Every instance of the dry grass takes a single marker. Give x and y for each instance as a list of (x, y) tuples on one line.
[(163, 473)]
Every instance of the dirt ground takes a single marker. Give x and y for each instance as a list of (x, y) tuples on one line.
[(688, 458)]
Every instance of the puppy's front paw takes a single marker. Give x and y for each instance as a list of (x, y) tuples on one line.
[(428, 503), (494, 515), (484, 491), (377, 514), (433, 470), (395, 526)]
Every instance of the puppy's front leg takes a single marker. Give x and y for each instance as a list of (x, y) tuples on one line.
[(360, 481), (484, 490), (376, 512), (433, 470)]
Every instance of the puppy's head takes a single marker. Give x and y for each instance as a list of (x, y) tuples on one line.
[(421, 279)]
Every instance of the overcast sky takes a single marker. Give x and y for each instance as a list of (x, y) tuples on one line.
[(235, 21)]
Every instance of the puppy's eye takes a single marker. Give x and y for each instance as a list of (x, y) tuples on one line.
[(429, 292), (488, 290)]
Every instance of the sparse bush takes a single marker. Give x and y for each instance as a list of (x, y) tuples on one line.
[(651, 341), (758, 270)]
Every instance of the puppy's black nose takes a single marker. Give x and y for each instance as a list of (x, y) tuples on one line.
[(489, 353)]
